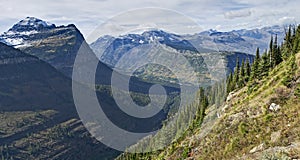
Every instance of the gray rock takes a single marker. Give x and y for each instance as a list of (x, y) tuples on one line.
[(257, 148), (275, 136), (274, 107), (230, 96)]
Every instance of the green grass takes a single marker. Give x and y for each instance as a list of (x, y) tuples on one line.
[(228, 140)]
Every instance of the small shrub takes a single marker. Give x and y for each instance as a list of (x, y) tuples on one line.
[(297, 91), (275, 157), (234, 143), (185, 153), (287, 81), (268, 117), (242, 128)]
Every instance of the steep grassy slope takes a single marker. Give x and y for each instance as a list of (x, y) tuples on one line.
[(245, 127)]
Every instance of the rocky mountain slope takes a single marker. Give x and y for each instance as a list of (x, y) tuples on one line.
[(56, 45), (38, 116), (29, 82), (125, 48)]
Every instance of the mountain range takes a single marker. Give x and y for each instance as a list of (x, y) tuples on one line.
[(39, 119), (58, 46), (110, 50)]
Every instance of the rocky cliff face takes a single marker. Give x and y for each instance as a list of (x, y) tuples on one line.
[(57, 46)]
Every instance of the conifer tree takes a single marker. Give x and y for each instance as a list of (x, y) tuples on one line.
[(236, 76), (275, 54), (254, 70), (287, 46), (242, 74), (264, 65), (271, 47), (248, 70), (229, 83), (296, 46)]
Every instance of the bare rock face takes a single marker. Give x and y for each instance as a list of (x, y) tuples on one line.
[(56, 45)]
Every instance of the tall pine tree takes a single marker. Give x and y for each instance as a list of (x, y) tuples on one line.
[(242, 74), (264, 65), (229, 86), (275, 54), (296, 45), (236, 77), (248, 70), (254, 70), (270, 54)]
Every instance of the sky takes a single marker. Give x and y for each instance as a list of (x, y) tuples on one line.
[(88, 15)]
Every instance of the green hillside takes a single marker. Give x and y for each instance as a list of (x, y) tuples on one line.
[(259, 119)]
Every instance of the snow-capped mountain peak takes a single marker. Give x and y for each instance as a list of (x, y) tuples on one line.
[(23, 29), (31, 23)]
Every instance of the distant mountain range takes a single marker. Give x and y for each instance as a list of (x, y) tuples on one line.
[(58, 46), (243, 40), (224, 47)]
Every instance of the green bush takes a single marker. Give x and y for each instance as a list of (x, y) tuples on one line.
[(268, 117), (242, 128), (297, 91), (185, 153)]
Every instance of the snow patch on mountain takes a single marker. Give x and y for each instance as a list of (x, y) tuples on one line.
[(32, 21), (21, 31)]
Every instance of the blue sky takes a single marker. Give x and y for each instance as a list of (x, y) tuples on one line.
[(208, 14)]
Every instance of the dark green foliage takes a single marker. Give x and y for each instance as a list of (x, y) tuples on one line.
[(297, 91), (229, 86), (296, 41), (255, 65), (248, 70), (242, 75), (203, 101), (236, 76), (264, 65), (242, 128), (275, 53), (185, 152), (292, 66), (287, 46)]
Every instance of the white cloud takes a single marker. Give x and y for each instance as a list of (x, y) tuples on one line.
[(237, 14), (287, 19), (88, 14)]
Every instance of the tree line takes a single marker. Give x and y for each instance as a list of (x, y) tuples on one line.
[(265, 62)]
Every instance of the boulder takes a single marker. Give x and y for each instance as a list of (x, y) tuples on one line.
[(230, 96), (257, 148), (275, 136), (274, 107), (225, 108)]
